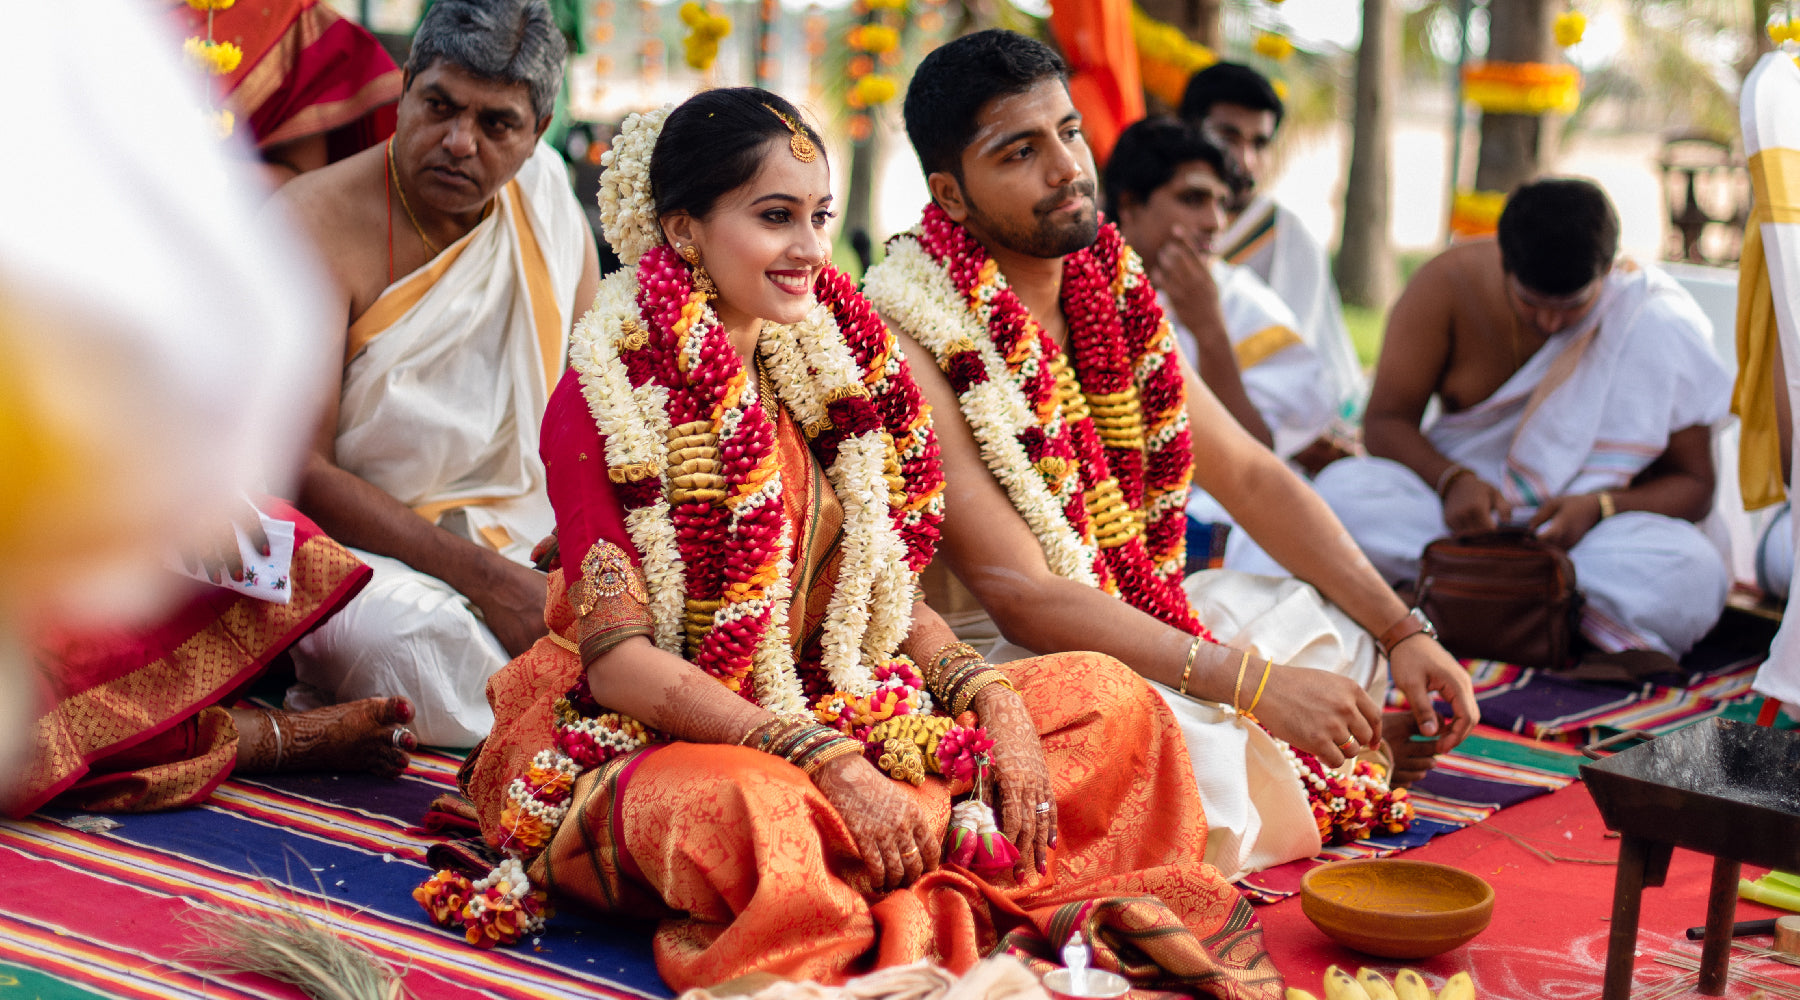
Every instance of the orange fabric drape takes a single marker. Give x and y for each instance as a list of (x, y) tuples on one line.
[(749, 868), (1096, 39)]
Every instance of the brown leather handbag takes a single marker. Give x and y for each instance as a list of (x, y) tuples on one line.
[(1501, 595)]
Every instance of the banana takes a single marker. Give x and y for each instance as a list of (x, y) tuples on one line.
[(1409, 985), (1458, 987), (1296, 994), (1341, 985), (1376, 985)]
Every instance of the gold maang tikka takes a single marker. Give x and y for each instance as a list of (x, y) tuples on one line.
[(703, 282), (799, 142)]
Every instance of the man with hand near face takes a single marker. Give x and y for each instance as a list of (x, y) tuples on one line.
[(1070, 429), (1167, 186), (1169, 196), (460, 258), (1238, 109), (1577, 398)]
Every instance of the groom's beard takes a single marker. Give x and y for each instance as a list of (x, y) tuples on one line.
[(1045, 234)]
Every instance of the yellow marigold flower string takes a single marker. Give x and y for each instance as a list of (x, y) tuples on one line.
[(218, 58), (1274, 46), (1569, 27)]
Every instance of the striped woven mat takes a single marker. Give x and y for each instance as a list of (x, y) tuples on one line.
[(102, 912), (1549, 706)]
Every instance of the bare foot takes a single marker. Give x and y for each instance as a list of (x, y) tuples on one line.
[(368, 735), (1412, 758)]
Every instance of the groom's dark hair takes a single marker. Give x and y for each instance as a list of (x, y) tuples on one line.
[(958, 79)]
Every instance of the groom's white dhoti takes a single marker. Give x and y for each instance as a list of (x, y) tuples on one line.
[(1588, 412), (444, 390)]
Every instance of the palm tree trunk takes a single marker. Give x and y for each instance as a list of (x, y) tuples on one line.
[(1512, 146), (1364, 268)]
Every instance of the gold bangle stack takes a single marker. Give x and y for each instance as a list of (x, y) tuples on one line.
[(1607, 509), (948, 653), (808, 746), (984, 679)]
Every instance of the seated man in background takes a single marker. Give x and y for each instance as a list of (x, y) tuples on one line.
[(460, 258), (1578, 398), (1237, 108), (1166, 188)]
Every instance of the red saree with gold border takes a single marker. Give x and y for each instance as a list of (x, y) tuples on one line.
[(133, 722), (749, 868), (306, 70)]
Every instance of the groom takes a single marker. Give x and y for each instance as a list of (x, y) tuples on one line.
[(1067, 455)]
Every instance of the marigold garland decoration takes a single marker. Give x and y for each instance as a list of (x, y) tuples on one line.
[(1522, 88), (1569, 27), (1272, 45), (876, 88), (1784, 31), (214, 59), (1350, 807), (877, 43), (217, 58), (1166, 56), (701, 46), (1476, 213)]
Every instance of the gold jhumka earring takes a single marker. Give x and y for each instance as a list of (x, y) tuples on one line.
[(703, 282)]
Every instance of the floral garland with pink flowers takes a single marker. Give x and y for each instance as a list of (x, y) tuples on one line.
[(1097, 459), (1349, 807), (691, 454)]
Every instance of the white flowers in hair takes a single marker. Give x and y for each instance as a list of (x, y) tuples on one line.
[(627, 209)]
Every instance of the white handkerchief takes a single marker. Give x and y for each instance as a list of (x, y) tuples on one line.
[(265, 577)]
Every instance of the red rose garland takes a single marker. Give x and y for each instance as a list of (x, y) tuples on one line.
[(1121, 351)]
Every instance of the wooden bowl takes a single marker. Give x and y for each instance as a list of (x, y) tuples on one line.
[(1396, 908)]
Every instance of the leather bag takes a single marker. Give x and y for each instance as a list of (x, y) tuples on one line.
[(1501, 595)]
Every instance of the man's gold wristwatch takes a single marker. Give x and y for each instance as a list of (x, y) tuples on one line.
[(1404, 629)]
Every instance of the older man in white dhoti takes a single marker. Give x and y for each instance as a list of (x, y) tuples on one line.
[(462, 257), (1769, 336), (1578, 397), (1237, 108)]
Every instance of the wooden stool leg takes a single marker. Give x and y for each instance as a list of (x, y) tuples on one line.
[(1721, 910), (1621, 943)]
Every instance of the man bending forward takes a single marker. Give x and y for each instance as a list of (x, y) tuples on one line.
[(1578, 397)]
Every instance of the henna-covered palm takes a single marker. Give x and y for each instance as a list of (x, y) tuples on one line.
[(889, 827), (1022, 776)]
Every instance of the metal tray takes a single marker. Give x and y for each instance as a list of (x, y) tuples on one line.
[(1723, 788)]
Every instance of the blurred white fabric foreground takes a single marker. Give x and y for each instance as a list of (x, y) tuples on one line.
[(162, 346)]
